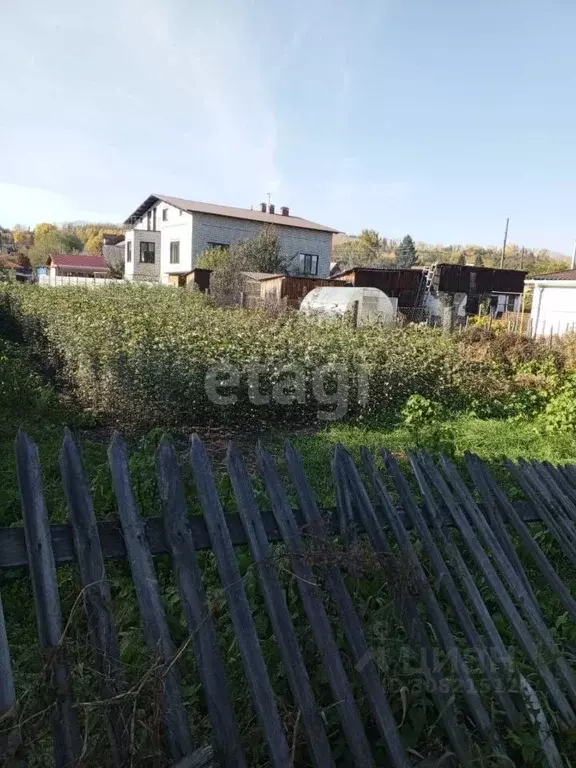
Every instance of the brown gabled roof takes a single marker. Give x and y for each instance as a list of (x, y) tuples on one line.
[(79, 261), (192, 206), (567, 274)]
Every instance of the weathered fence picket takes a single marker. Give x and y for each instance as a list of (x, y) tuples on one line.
[(154, 624), (436, 615), (47, 601), (228, 750), (503, 597), (541, 501), (96, 592), (317, 545), (364, 663), (406, 606), (489, 491), (7, 690), (444, 578), (316, 612), (278, 611), (516, 585), (254, 664)]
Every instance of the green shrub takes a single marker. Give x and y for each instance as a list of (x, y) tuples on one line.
[(559, 417), (21, 387), (419, 412), (140, 356), (424, 420)]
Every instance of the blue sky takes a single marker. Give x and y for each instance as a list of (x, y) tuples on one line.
[(435, 118)]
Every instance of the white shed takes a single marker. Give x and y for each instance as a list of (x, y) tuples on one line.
[(554, 303), (374, 306)]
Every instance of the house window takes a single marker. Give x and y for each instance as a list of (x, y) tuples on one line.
[(149, 220), (308, 264), (147, 253), (164, 214), (128, 251), (175, 252), (222, 246)]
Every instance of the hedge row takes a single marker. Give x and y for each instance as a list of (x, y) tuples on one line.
[(152, 356)]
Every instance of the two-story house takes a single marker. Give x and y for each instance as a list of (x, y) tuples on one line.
[(169, 235)]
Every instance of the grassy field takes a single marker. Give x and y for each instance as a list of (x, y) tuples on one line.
[(30, 402)]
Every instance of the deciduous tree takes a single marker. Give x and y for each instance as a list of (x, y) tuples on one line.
[(94, 243), (53, 241), (40, 230)]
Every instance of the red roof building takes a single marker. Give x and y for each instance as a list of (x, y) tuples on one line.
[(77, 263)]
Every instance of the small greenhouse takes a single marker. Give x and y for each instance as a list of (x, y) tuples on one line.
[(369, 305)]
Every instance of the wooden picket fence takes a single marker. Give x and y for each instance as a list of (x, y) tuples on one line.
[(456, 523)]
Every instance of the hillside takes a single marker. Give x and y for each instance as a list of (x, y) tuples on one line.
[(369, 248)]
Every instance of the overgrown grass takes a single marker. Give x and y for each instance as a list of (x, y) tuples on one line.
[(148, 357), (29, 402)]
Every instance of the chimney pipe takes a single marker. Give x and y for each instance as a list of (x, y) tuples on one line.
[(263, 207), (574, 257), (285, 210), (271, 208)]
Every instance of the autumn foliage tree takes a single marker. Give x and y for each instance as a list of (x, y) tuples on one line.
[(53, 241)]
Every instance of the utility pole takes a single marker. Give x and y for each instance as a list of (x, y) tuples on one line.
[(522, 257), (504, 244)]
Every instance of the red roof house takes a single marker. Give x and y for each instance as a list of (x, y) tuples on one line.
[(77, 263)]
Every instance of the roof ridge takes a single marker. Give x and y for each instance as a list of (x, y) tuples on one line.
[(196, 206)]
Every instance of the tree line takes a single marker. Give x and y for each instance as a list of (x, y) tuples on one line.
[(370, 249), (31, 247)]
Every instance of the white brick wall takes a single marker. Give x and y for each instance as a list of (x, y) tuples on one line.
[(176, 227), (196, 231), (208, 228), (140, 271)]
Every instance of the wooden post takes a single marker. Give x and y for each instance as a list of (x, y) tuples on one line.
[(448, 315), (355, 311)]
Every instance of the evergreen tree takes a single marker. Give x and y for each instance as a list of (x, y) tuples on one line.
[(478, 261), (406, 253), (462, 259)]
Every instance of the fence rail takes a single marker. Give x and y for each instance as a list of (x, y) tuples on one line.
[(465, 525)]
